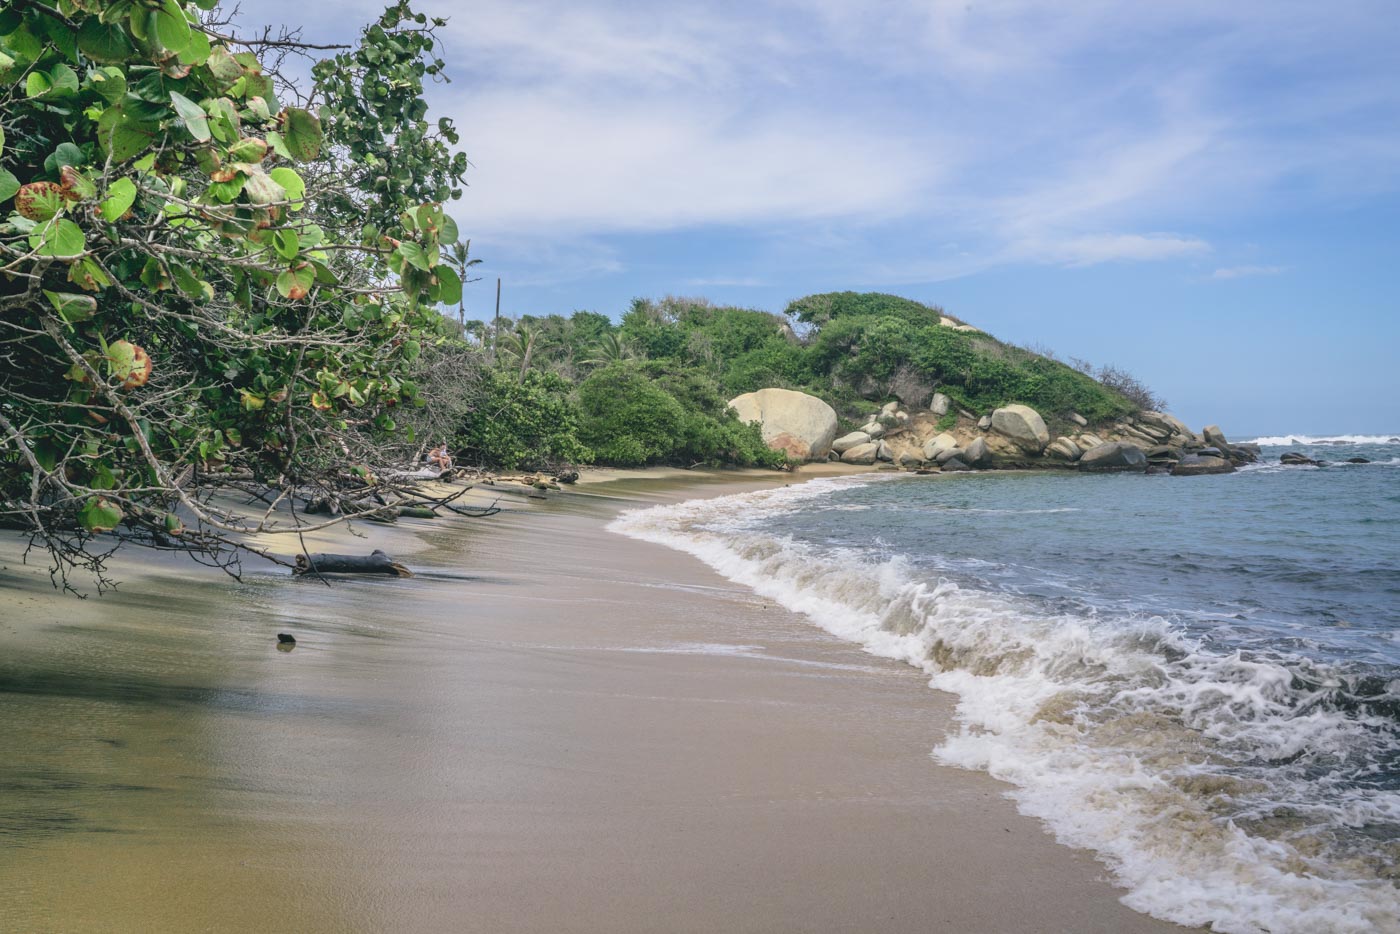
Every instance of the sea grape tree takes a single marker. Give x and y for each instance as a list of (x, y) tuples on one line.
[(207, 275)]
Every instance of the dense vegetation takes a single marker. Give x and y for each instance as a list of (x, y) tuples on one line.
[(205, 275), (215, 280), (653, 388)]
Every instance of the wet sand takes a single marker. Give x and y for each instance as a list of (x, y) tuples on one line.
[(552, 728)]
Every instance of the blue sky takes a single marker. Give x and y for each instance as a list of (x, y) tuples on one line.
[(1204, 193)]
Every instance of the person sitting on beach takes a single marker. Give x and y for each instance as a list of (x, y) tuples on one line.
[(439, 458)]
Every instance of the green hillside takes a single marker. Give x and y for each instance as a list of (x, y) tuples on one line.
[(654, 387)]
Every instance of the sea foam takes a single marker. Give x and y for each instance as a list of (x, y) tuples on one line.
[(1210, 784), (1306, 440)]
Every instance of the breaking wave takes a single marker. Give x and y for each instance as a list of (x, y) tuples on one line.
[(1307, 440), (1247, 792)]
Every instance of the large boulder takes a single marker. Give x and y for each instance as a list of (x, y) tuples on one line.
[(1193, 465), (1113, 456), (1023, 425), (939, 405), (941, 443), (800, 425), (861, 453), (948, 454), (1170, 424), (1064, 449), (976, 454), (1215, 437), (844, 443), (884, 452), (873, 428)]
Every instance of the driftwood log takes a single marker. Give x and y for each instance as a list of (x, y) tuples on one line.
[(376, 562)]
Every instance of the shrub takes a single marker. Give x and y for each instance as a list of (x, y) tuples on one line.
[(530, 424), (627, 419)]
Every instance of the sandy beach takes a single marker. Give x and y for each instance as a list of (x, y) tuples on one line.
[(551, 728)]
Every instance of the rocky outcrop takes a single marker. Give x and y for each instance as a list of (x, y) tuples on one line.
[(1294, 459), (1194, 465), (1023, 426), (976, 454), (844, 443), (1063, 449), (941, 443), (800, 425), (1113, 456), (939, 405), (953, 464), (948, 454), (861, 453)]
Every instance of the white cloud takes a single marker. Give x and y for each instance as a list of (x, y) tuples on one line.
[(1242, 272), (1069, 133)]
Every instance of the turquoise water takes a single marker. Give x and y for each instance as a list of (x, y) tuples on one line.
[(1199, 678)]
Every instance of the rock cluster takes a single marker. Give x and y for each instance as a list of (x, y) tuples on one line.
[(1017, 436)]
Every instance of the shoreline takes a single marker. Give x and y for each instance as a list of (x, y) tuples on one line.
[(552, 727)]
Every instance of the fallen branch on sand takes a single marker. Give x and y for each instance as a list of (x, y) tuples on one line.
[(376, 562)]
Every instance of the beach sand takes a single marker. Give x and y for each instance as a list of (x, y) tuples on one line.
[(552, 728)]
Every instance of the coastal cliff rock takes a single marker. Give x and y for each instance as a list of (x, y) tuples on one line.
[(1023, 425), (803, 426), (943, 442), (861, 453), (1113, 456), (977, 454), (844, 443)]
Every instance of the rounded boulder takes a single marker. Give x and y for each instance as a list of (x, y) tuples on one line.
[(800, 425), (1023, 425)]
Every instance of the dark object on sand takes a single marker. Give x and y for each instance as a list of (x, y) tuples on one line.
[(376, 562), (284, 638)]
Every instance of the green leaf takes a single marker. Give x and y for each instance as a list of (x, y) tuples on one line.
[(198, 50), (59, 238), (72, 307), (286, 244), (292, 185), (223, 66), (104, 42), (121, 195), (260, 187), (414, 254), (196, 121), (100, 514), (64, 81), (170, 27), (37, 84), (449, 285), (302, 133), (122, 135), (8, 185), (279, 145), (296, 283), (448, 234), (66, 154)]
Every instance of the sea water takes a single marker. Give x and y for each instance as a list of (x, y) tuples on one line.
[(1197, 678)]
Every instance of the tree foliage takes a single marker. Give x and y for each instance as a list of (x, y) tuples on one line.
[(190, 289)]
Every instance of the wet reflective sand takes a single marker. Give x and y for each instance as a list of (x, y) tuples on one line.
[(551, 728)]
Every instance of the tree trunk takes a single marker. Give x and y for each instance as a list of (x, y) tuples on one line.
[(376, 562)]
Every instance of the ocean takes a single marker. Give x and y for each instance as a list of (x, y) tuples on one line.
[(1196, 678)]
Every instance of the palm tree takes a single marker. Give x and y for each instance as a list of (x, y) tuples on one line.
[(458, 256), (609, 348)]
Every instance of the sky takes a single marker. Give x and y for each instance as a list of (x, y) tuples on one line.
[(1203, 193)]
